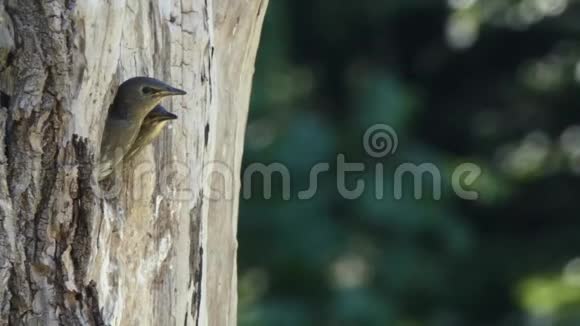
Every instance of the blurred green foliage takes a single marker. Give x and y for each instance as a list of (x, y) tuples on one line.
[(493, 82)]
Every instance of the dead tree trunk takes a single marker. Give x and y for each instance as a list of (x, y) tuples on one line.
[(162, 249)]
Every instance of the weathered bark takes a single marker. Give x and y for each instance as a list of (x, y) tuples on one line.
[(162, 250)]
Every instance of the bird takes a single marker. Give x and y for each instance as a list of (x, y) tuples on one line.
[(135, 98), (152, 126)]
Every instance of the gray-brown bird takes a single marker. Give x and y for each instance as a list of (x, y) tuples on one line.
[(152, 126), (135, 98)]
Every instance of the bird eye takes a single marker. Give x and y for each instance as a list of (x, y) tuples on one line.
[(148, 90)]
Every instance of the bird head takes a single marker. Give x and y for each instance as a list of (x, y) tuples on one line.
[(137, 96), (159, 114), (152, 126)]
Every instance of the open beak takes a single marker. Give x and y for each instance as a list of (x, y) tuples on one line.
[(170, 91)]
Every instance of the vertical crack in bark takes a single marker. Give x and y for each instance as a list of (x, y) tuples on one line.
[(93, 304), (196, 257), (83, 216), (196, 300)]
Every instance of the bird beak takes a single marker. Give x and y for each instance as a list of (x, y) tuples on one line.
[(159, 113), (168, 116), (170, 91)]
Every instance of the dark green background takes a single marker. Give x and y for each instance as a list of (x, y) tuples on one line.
[(493, 82)]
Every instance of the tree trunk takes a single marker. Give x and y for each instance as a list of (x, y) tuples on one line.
[(162, 249)]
